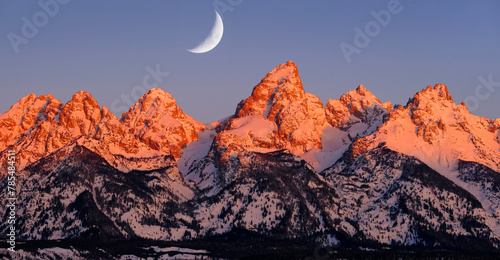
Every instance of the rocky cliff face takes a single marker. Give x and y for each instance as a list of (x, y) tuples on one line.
[(355, 172), (285, 116), (355, 107), (157, 121), (434, 129), (153, 127), (27, 124)]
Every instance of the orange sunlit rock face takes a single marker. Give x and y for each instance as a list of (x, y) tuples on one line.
[(157, 121), (439, 132), (37, 126), (278, 115), (283, 165), (355, 102)]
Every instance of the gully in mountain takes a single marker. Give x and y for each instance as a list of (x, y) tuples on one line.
[(284, 169)]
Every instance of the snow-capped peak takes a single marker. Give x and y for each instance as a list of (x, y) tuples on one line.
[(361, 97), (82, 112), (276, 90), (154, 126), (278, 115), (438, 132), (157, 121), (372, 178), (356, 114), (155, 99), (438, 93), (355, 103), (26, 111), (24, 115), (285, 72)]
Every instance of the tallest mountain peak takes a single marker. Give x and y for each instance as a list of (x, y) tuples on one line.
[(285, 72), (284, 115), (287, 66), (281, 84)]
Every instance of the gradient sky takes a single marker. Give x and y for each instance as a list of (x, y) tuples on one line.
[(103, 47)]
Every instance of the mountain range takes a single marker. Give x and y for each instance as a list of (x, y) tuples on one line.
[(353, 173)]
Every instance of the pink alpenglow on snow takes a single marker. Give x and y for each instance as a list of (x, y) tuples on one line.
[(278, 115)]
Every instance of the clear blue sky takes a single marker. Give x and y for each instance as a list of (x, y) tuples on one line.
[(103, 47)]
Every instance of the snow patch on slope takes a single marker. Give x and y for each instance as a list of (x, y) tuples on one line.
[(335, 144)]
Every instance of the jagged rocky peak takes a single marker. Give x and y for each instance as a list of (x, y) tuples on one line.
[(28, 126), (447, 132), (49, 125), (28, 110), (278, 88), (433, 94), (355, 103), (361, 98), (110, 131), (156, 100), (81, 112), (278, 115), (154, 105), (430, 104), (25, 114), (157, 121), (285, 72), (425, 175), (155, 126)]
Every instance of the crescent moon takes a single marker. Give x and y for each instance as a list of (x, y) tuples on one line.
[(213, 38)]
